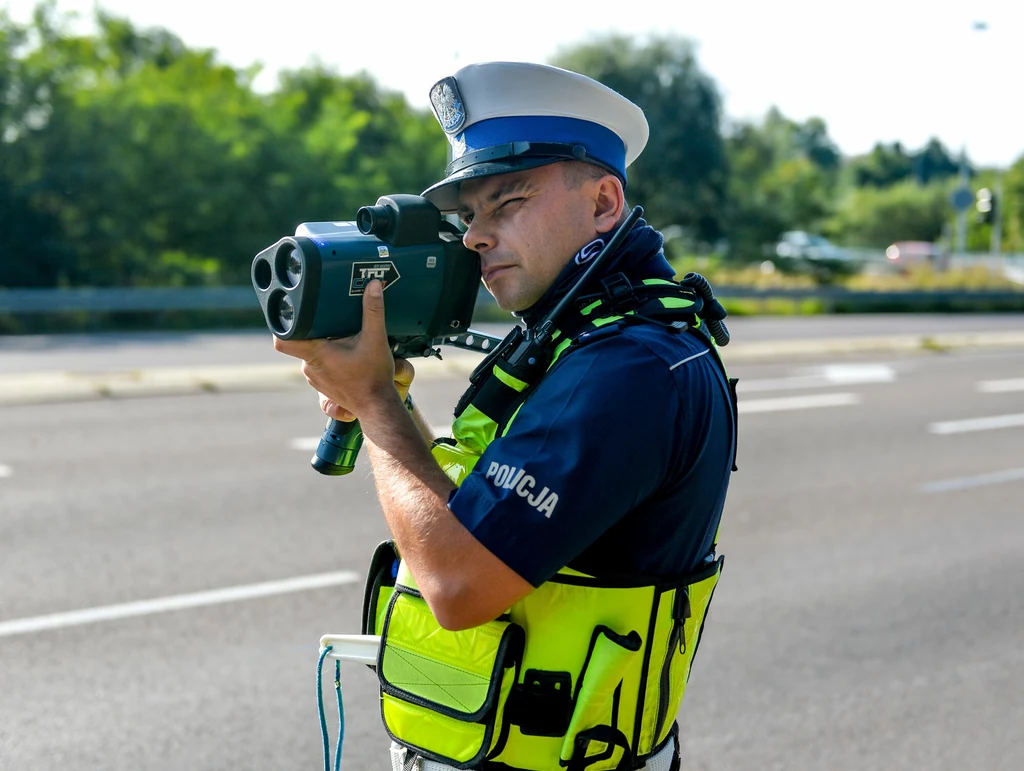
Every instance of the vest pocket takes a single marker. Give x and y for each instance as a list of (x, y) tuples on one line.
[(380, 584), (595, 716), (443, 693)]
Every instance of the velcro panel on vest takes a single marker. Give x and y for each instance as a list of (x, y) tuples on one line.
[(443, 692)]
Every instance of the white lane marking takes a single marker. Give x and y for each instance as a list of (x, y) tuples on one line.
[(852, 374), (832, 374), (5, 471), (175, 602), (977, 424), (798, 402), (964, 483), (1000, 386)]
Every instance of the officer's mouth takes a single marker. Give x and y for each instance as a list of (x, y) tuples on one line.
[(491, 272)]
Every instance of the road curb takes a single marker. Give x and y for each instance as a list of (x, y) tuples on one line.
[(56, 386)]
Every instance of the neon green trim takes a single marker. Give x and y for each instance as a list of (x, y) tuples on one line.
[(509, 380), (676, 302), (559, 349)]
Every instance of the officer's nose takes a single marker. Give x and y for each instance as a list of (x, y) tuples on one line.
[(478, 237)]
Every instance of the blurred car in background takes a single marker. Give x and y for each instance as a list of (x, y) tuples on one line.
[(904, 255), (798, 251), (800, 245)]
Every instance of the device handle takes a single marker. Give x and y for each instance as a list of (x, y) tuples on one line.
[(339, 446)]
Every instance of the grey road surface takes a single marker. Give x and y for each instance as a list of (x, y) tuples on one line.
[(110, 352), (869, 616)]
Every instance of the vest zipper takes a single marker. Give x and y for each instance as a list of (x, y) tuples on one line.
[(680, 612)]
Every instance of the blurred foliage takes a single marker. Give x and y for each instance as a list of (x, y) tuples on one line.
[(724, 272), (783, 176), (681, 177), (878, 216), (129, 159), (888, 164)]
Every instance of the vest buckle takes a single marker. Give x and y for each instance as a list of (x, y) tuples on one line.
[(542, 704), (619, 291)]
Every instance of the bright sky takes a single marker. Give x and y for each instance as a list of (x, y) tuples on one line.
[(874, 70)]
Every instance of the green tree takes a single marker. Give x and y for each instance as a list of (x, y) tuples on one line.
[(907, 211), (885, 165), (1013, 207), (933, 163), (146, 162), (783, 176), (680, 179), (29, 252), (888, 164)]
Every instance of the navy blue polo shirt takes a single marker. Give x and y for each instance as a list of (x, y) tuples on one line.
[(617, 463)]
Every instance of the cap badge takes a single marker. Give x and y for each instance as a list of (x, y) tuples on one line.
[(447, 103)]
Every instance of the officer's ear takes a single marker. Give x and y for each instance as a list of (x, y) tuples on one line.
[(609, 203)]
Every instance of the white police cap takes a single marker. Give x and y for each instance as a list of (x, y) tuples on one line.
[(502, 117)]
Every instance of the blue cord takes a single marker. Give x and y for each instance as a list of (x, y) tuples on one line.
[(320, 705), (341, 715), (323, 716)]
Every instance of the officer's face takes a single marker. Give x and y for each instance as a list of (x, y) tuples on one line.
[(526, 226)]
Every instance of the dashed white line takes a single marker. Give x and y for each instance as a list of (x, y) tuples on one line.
[(977, 424), (5, 471), (964, 483), (176, 602), (829, 375), (798, 402), (1000, 386)]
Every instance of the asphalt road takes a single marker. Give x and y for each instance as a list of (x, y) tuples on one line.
[(110, 352), (869, 617)]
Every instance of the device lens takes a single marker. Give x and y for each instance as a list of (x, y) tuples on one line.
[(285, 313), (293, 267)]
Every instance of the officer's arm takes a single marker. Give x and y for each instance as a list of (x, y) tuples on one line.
[(422, 424), (464, 584)]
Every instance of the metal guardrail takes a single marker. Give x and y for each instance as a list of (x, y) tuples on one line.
[(107, 300), (128, 299)]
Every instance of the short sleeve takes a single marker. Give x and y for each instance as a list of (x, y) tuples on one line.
[(588, 445)]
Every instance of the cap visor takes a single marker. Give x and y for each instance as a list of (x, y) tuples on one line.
[(445, 194)]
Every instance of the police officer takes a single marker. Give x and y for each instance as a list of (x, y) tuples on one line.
[(557, 553)]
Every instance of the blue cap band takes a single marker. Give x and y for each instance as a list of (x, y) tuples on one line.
[(602, 144)]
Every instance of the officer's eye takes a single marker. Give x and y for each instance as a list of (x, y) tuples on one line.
[(511, 201)]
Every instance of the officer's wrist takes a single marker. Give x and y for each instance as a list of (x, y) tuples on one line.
[(408, 403)]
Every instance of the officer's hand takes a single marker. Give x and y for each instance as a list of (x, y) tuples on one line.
[(404, 374), (353, 373)]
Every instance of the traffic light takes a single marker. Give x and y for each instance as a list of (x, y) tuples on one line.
[(986, 205)]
